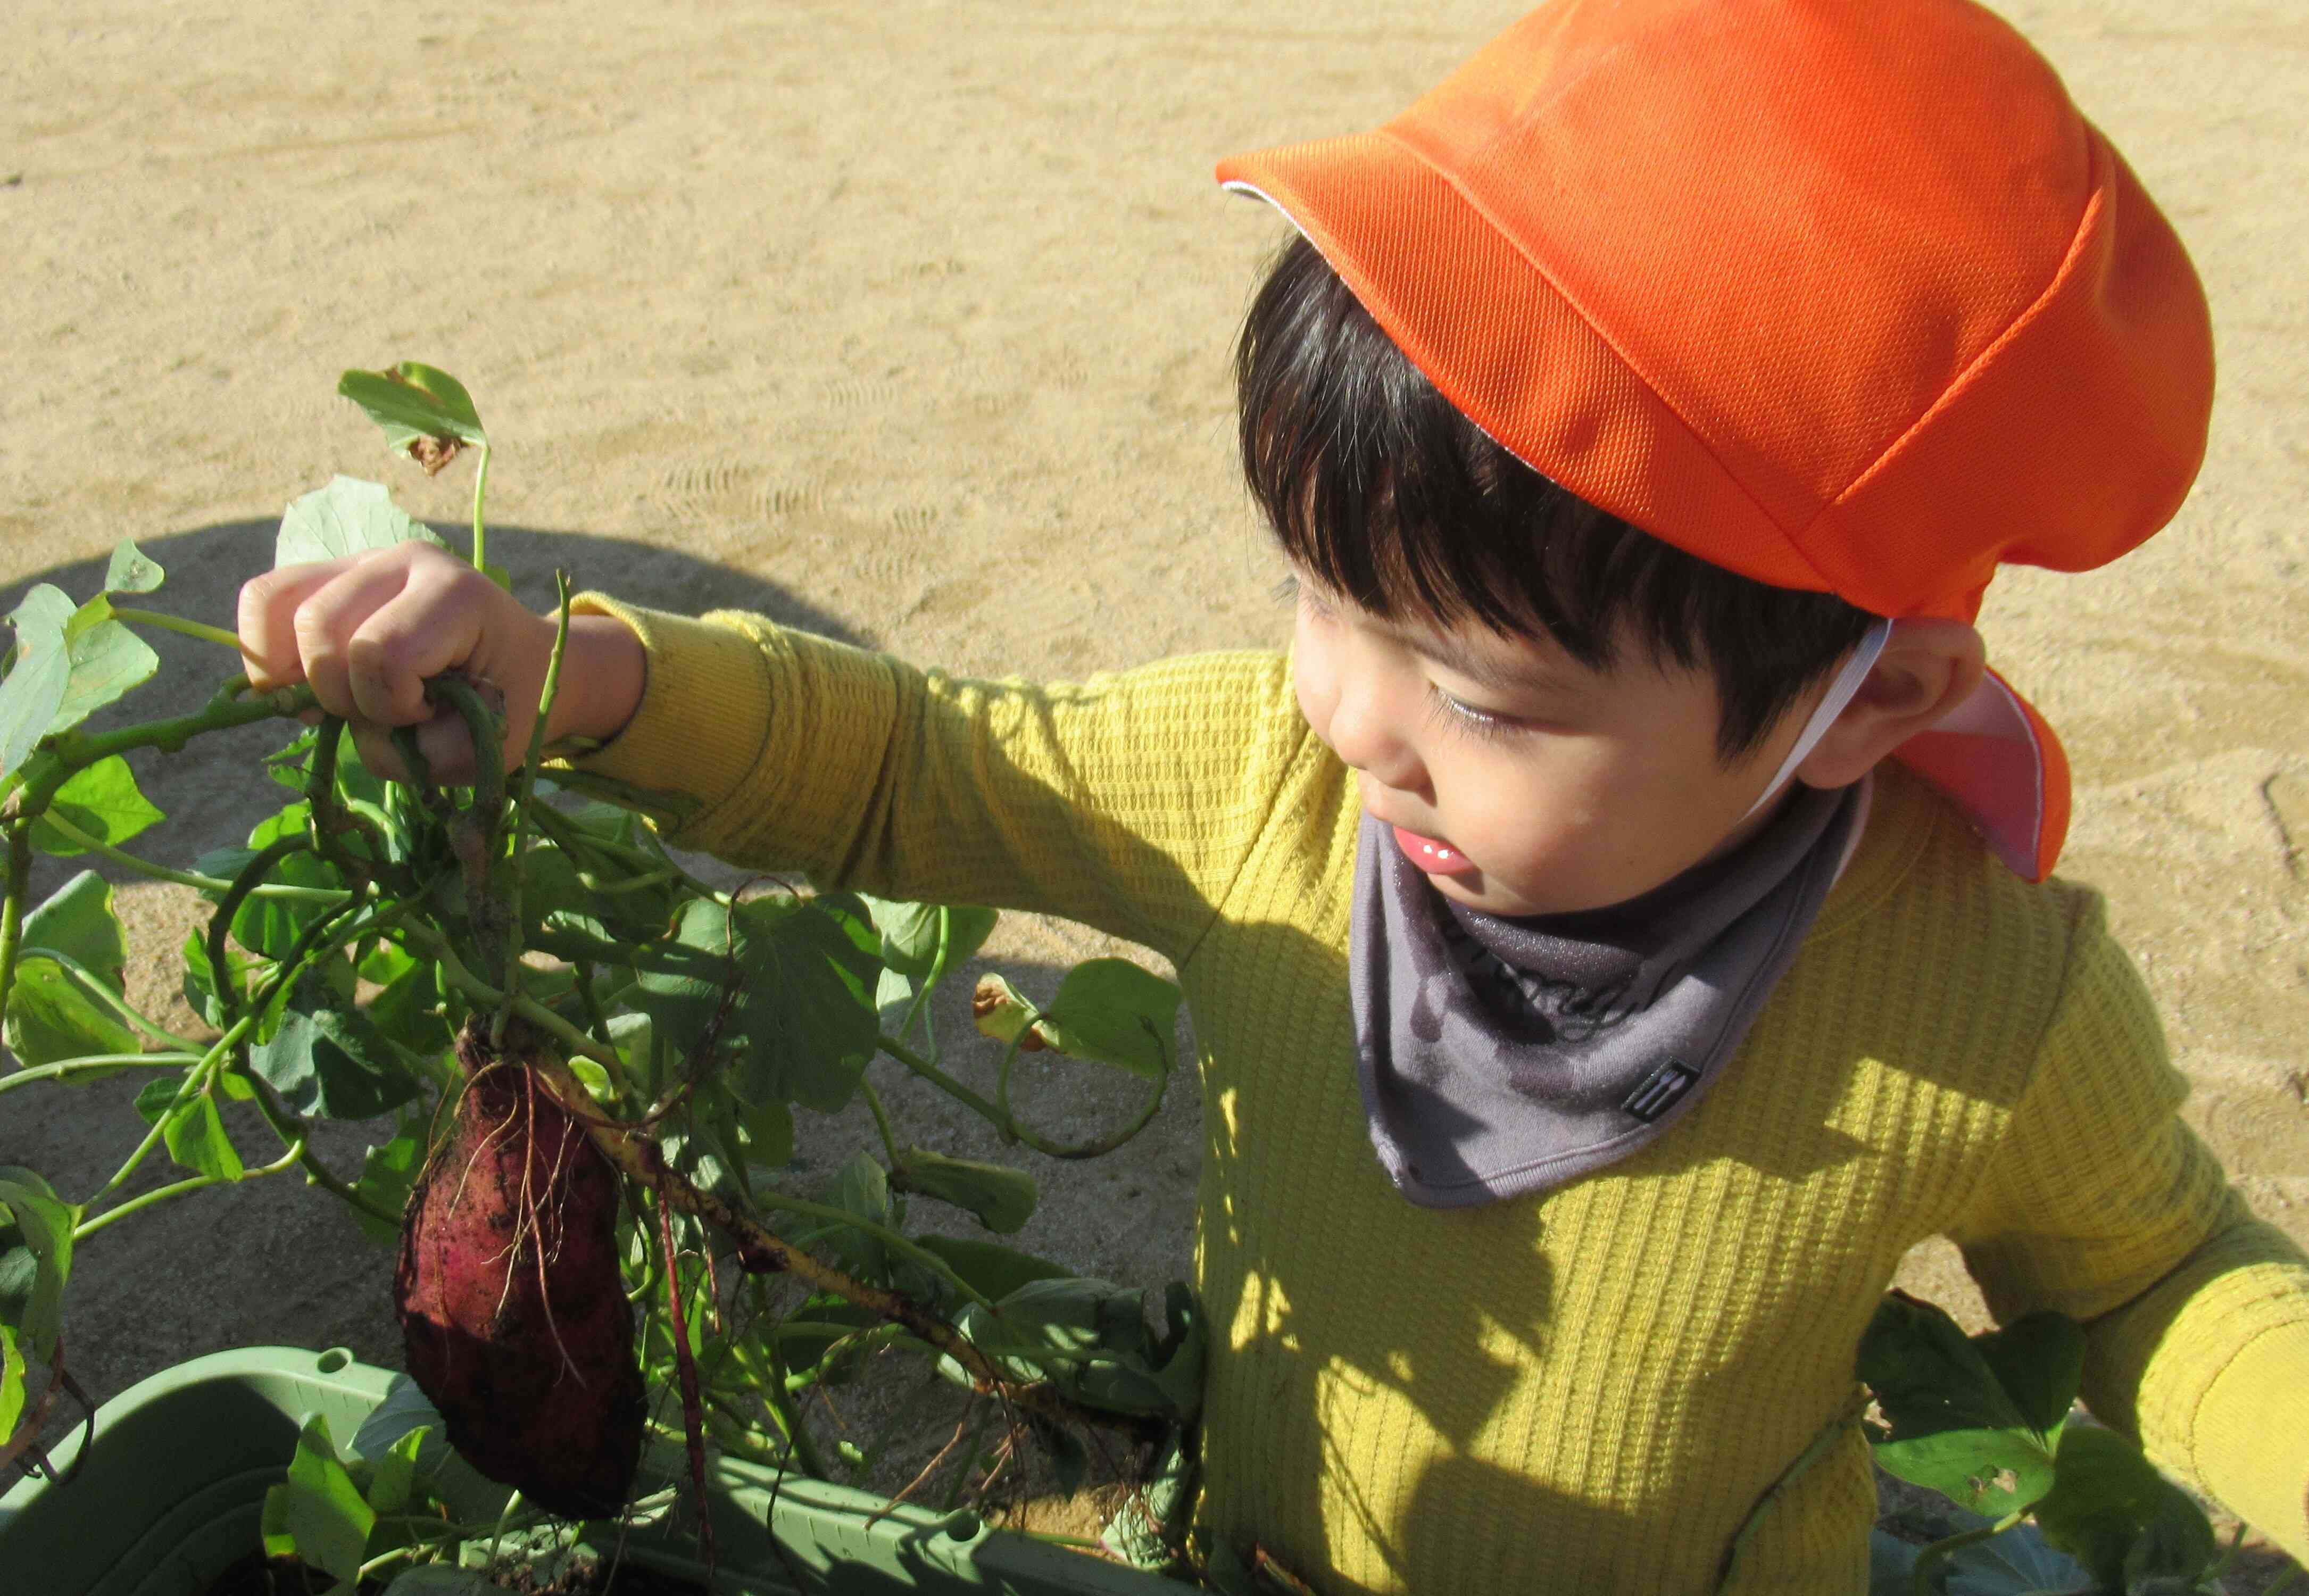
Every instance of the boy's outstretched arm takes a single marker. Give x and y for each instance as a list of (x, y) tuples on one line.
[(1128, 802), (367, 631), (2104, 1204)]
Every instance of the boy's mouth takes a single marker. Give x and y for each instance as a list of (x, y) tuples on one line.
[(1431, 854)]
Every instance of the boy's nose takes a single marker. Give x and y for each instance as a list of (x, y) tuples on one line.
[(1366, 732)]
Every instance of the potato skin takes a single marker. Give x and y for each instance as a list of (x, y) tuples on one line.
[(513, 1310)]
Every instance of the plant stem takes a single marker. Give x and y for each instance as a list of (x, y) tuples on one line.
[(485, 996), (946, 1083), (206, 883), (288, 1160), (1921, 1582), (1816, 1449), (55, 764), (882, 1124), (177, 623), (480, 492), (12, 905), (103, 1063), (525, 803)]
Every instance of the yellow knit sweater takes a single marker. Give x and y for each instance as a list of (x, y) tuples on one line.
[(1587, 1392)]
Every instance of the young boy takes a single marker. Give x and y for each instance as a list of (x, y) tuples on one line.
[(1619, 930)]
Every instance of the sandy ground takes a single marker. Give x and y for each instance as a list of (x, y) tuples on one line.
[(910, 322)]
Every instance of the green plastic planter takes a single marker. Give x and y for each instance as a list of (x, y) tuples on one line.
[(170, 1493)]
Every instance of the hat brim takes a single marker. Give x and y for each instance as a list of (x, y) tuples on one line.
[(1513, 352)]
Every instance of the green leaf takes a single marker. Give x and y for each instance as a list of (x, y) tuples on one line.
[(409, 1009), (1954, 1428), (45, 605), (411, 402), (1003, 1198), (767, 1130), (1116, 1012), (51, 1018), (1105, 1356), (12, 1370), (199, 983), (107, 659), (392, 1475), (802, 1017), (327, 1517), (331, 1061), (923, 941), (271, 926), (273, 1524), (2112, 1512), (36, 1255), (993, 1270), (348, 517), (34, 690), (101, 800), (132, 571), (194, 1132), (77, 920), (389, 1171), (2039, 1360)]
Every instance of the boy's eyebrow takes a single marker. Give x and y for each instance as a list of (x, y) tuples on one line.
[(1477, 666)]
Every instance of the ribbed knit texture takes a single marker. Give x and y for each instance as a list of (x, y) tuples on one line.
[(1589, 1392)]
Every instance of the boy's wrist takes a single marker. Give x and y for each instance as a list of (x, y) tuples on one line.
[(603, 670)]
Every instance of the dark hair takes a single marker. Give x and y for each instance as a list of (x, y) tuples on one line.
[(1374, 483)]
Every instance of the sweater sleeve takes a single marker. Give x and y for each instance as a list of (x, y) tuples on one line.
[(2102, 1203), (1127, 802)]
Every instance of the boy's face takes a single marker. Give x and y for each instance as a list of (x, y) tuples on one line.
[(1524, 783)]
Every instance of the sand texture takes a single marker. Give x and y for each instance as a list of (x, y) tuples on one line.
[(910, 322)]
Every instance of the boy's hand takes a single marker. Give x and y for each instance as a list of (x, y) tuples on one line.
[(366, 632)]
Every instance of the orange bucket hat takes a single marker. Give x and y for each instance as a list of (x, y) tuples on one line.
[(1842, 297)]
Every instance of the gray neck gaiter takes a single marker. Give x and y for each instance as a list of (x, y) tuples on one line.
[(1506, 1058)]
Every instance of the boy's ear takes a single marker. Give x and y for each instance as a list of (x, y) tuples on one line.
[(1928, 668)]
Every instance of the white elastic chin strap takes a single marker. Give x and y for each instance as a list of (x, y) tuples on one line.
[(1839, 693)]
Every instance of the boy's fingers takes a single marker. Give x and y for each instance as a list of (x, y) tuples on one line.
[(266, 620), (324, 624), (408, 636)]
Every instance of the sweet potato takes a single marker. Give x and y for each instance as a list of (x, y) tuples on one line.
[(513, 1313)]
